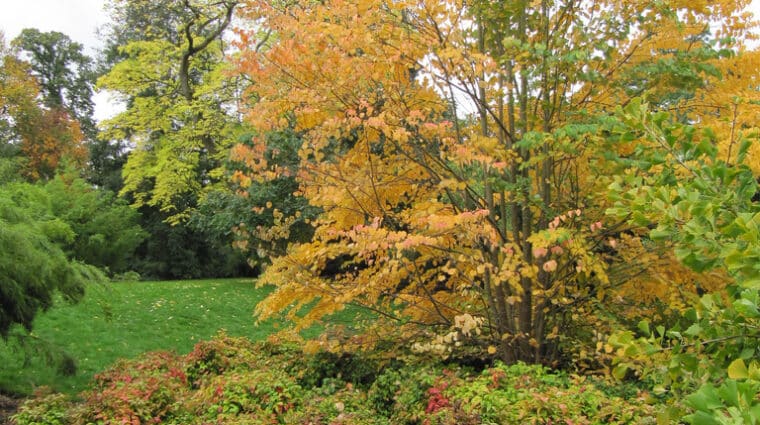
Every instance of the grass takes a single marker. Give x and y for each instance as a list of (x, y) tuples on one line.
[(122, 320)]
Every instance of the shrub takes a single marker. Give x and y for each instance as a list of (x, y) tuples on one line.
[(220, 355), (234, 381), (264, 395), (44, 408), (33, 265), (344, 404), (401, 393), (358, 369), (139, 391), (106, 228), (532, 394)]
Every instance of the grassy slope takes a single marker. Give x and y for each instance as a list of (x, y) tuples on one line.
[(122, 320)]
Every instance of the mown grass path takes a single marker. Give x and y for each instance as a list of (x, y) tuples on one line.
[(122, 320)]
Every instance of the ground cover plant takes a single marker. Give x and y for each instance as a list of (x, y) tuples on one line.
[(233, 381), (125, 319)]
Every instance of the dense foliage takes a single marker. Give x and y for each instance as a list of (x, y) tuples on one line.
[(487, 228), (167, 61), (35, 138), (173, 81), (34, 266), (569, 183), (106, 229), (230, 380)]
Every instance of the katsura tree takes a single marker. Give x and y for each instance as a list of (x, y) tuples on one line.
[(179, 99), (458, 152)]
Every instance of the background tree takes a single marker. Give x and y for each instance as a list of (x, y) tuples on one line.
[(40, 138), (266, 213), (172, 80), (64, 74), (67, 78), (180, 119), (18, 92)]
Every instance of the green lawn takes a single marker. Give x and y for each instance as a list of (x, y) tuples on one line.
[(128, 318)]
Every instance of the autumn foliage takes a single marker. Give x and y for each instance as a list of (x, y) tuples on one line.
[(458, 153), (46, 136)]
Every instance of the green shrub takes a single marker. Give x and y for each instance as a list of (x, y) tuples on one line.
[(106, 229), (220, 355), (344, 404), (33, 265), (522, 393), (401, 393), (44, 408), (358, 369), (264, 395)]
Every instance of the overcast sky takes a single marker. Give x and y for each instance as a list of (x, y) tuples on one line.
[(79, 19), (76, 18)]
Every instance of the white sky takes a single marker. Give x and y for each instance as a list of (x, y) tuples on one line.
[(76, 18), (79, 19)]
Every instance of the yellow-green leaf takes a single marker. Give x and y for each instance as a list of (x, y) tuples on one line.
[(737, 370)]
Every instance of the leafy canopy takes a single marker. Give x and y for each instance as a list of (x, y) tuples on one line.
[(174, 82), (457, 152)]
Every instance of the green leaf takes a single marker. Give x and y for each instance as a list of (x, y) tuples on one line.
[(706, 399), (754, 371), (746, 308), (753, 283), (701, 418), (619, 371), (730, 392), (693, 330), (738, 370), (659, 233), (661, 330), (644, 328)]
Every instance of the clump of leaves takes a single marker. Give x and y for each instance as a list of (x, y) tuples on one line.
[(703, 206), (533, 394), (255, 394), (45, 408), (141, 391)]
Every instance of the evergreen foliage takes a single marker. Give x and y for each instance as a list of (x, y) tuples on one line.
[(34, 266)]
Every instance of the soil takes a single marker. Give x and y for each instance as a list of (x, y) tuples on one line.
[(8, 407)]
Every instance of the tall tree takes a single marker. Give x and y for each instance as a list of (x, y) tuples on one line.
[(67, 80), (486, 219), (41, 137), (18, 93), (64, 73), (172, 78)]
